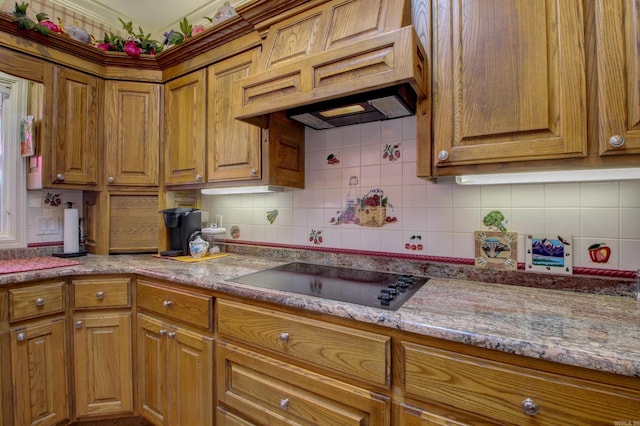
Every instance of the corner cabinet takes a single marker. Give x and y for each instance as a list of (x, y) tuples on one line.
[(508, 81), (132, 133), (234, 146), (76, 129), (102, 353), (184, 129), (174, 356), (618, 85)]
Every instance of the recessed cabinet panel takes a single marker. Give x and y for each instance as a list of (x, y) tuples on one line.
[(185, 124), (103, 363), (76, 136), (617, 35), (509, 81), (234, 147), (39, 373), (132, 132)]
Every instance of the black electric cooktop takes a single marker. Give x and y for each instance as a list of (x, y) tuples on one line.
[(369, 288)]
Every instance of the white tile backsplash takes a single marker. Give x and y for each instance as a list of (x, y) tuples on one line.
[(445, 215)]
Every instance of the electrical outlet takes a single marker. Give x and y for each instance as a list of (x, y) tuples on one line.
[(47, 225)]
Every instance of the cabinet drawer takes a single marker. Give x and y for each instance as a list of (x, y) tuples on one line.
[(497, 390), (36, 301), (181, 305), (359, 354), (101, 293), (268, 391)]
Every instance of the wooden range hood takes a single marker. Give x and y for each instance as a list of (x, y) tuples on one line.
[(328, 54)]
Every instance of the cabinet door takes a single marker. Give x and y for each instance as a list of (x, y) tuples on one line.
[(508, 81), (102, 360), (152, 369), (234, 146), (190, 378), (76, 135), (617, 34), (39, 373), (185, 118), (132, 133)]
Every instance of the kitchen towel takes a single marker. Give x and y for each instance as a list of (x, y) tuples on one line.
[(11, 266), (71, 237)]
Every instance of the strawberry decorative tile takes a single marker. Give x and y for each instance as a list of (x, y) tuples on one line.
[(315, 237), (391, 152), (52, 200)]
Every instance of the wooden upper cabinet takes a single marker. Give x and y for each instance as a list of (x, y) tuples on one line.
[(617, 24), (132, 133), (76, 134), (508, 81), (233, 146), (185, 135)]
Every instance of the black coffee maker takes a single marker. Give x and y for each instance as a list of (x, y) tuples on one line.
[(184, 225)]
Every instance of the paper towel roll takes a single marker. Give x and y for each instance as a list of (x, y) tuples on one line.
[(71, 231)]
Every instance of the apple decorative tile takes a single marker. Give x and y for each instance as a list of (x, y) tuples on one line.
[(599, 253), (235, 232), (549, 254), (315, 237), (391, 152), (332, 159)]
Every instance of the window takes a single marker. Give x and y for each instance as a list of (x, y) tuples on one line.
[(13, 193)]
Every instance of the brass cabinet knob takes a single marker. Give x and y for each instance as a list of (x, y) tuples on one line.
[(443, 155), (529, 407), (616, 141), (284, 403)]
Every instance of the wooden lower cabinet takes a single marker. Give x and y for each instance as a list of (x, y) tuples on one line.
[(175, 373), (264, 390), (39, 372), (102, 349), (102, 360), (507, 393)]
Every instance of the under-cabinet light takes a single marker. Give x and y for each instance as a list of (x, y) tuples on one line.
[(241, 190), (551, 176)]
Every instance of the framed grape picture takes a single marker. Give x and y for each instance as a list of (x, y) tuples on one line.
[(549, 254)]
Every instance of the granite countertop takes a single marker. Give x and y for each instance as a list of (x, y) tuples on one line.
[(593, 331)]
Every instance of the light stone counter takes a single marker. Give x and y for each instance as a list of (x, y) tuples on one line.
[(598, 332)]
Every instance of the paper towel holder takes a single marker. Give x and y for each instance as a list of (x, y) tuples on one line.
[(78, 253)]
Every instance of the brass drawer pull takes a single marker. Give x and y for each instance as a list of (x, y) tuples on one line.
[(284, 403), (529, 407)]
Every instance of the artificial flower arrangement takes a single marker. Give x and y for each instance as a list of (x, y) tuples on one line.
[(133, 44)]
